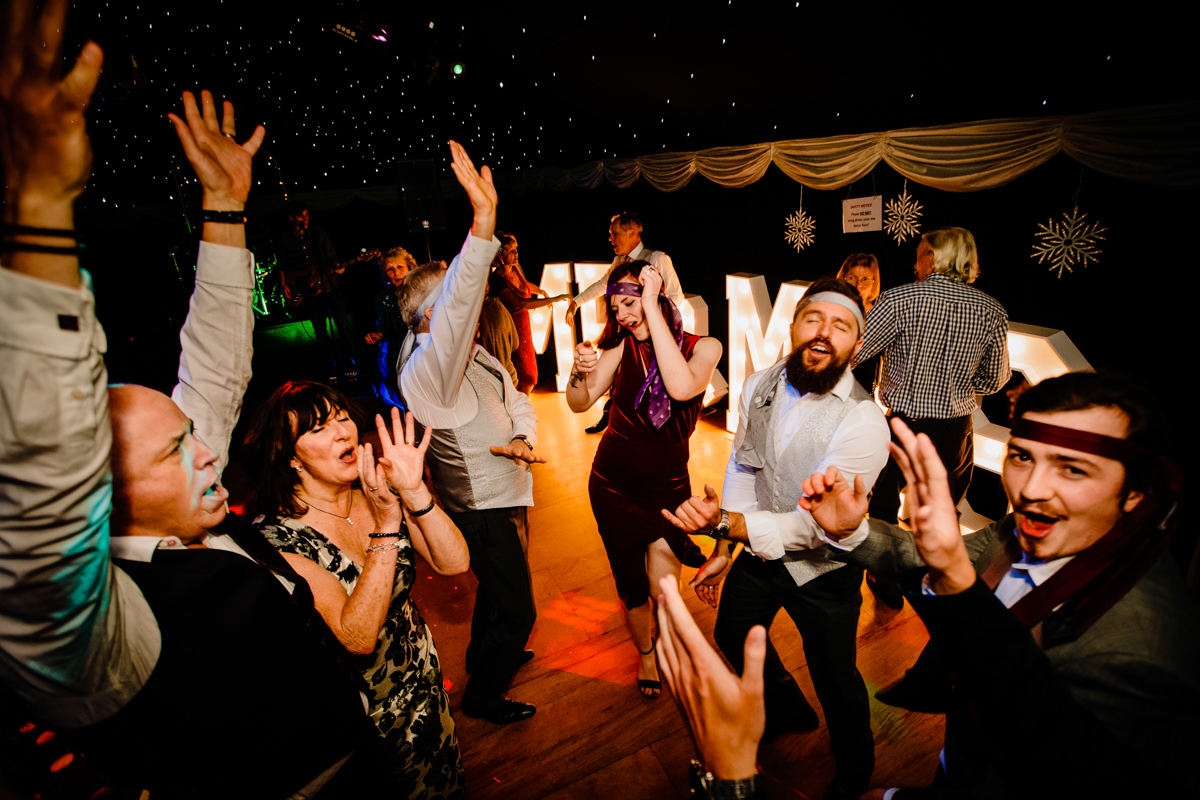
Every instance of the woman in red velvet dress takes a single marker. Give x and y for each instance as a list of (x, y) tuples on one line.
[(659, 374), (518, 295)]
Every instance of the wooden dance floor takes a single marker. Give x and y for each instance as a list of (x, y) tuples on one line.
[(594, 735)]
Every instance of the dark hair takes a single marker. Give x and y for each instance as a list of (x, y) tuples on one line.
[(828, 283), (1077, 391), (291, 411), (614, 332)]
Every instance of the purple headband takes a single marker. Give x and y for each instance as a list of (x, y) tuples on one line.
[(660, 401)]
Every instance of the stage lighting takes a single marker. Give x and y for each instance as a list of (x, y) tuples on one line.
[(458, 68)]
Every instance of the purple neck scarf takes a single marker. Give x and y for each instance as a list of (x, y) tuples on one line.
[(660, 401)]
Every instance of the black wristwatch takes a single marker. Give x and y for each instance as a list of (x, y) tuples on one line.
[(524, 439), (704, 784), (722, 529)]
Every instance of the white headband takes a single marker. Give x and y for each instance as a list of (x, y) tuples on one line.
[(839, 299)]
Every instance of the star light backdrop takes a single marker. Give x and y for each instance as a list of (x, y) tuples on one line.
[(560, 86)]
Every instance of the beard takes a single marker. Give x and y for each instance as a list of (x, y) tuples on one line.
[(818, 380)]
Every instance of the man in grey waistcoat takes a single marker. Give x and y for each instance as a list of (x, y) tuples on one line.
[(805, 410), (481, 449)]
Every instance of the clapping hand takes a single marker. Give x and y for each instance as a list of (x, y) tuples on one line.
[(222, 165), (400, 455), (726, 713), (385, 507)]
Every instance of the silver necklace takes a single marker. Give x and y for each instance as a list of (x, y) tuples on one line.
[(339, 516)]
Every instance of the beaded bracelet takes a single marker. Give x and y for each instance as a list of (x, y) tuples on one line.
[(395, 535), (380, 548), (423, 511)]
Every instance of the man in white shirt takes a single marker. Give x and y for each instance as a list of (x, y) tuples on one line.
[(88, 645), (805, 410), (481, 450)]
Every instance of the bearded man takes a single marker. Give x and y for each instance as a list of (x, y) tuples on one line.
[(806, 409)]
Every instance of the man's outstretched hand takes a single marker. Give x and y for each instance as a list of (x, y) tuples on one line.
[(697, 514), (222, 165), (479, 188), (835, 505), (519, 452)]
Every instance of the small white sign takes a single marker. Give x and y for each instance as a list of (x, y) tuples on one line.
[(862, 214)]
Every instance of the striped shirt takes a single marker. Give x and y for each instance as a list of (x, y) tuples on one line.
[(942, 342)]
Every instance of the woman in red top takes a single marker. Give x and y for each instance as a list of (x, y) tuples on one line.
[(518, 295), (659, 374)]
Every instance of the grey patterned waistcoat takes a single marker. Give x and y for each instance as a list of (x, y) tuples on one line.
[(777, 482)]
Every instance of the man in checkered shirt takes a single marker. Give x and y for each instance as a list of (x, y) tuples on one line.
[(943, 342)]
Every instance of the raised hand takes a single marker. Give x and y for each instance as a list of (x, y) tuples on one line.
[(385, 506), (726, 713), (399, 454), (697, 514), (834, 504), (651, 281), (479, 188), (46, 153), (935, 522), (222, 165)]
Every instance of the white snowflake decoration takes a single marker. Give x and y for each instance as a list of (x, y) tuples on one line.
[(799, 231), (1069, 242), (902, 219)]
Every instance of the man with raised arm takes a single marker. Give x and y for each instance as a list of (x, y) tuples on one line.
[(804, 413), (483, 440), (179, 644), (1070, 636)]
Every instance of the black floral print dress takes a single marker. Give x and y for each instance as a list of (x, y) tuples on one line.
[(402, 679)]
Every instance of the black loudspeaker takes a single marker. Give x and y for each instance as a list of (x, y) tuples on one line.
[(421, 193)]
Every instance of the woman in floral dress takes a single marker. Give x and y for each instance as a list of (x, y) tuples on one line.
[(350, 527)]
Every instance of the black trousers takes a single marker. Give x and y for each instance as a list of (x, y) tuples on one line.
[(955, 443), (825, 611), (504, 610)]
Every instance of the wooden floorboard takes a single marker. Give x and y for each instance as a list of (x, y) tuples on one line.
[(594, 735)]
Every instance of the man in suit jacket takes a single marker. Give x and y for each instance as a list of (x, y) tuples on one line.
[(1068, 631)]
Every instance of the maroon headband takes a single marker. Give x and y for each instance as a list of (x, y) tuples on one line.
[(1098, 444)]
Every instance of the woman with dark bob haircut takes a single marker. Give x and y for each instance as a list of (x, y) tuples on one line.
[(658, 374), (349, 525)]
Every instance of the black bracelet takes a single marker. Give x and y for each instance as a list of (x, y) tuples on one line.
[(395, 535), (228, 217), (423, 511), (29, 230), (9, 246)]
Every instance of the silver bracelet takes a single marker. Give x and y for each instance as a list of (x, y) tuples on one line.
[(380, 548)]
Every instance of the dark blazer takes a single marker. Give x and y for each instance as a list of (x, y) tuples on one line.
[(1117, 707)]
